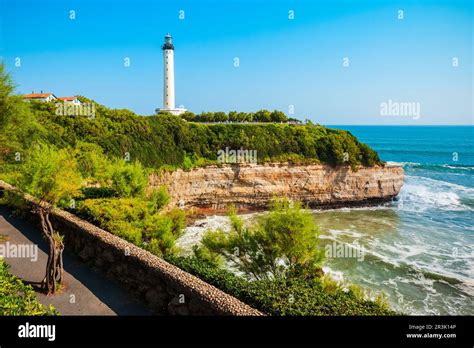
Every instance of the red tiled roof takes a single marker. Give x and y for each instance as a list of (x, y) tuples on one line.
[(66, 98), (37, 95)]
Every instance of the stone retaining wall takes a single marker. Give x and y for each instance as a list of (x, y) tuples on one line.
[(164, 287)]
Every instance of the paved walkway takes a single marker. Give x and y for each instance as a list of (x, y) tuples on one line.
[(84, 292)]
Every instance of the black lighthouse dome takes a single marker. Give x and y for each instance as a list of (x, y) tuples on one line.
[(168, 44)]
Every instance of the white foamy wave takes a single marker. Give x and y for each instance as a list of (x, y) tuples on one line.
[(383, 206), (392, 163), (402, 251), (444, 184), (467, 168), (193, 234), (420, 193), (382, 256)]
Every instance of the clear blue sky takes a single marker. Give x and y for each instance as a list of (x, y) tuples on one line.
[(282, 62)]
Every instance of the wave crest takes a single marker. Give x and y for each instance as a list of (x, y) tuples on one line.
[(420, 193)]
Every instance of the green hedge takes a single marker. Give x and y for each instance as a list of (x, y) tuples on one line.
[(285, 296), (16, 298)]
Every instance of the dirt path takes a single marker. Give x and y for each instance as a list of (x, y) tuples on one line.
[(85, 292)]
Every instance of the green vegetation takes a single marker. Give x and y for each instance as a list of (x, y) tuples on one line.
[(234, 116), (282, 244), (282, 296), (165, 140), (137, 220), (16, 298)]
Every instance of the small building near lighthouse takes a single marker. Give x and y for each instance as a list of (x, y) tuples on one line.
[(168, 79)]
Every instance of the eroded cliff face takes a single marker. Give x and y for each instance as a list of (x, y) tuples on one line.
[(252, 186)]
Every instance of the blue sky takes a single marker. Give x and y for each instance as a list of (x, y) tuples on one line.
[(283, 62)]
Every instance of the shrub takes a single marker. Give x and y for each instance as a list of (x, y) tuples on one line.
[(368, 156), (49, 174), (125, 230), (187, 163), (158, 199), (282, 244), (128, 179), (16, 298), (281, 296), (158, 228), (97, 192), (178, 218), (103, 211), (136, 220), (92, 163)]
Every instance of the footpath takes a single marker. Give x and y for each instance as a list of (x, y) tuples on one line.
[(84, 292)]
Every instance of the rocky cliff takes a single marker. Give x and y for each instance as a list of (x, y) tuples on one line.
[(253, 186)]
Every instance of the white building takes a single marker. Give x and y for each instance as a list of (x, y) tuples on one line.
[(45, 97), (168, 87), (71, 100)]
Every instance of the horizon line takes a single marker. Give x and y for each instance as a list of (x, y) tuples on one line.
[(404, 125)]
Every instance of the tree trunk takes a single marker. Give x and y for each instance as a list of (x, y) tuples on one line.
[(54, 266)]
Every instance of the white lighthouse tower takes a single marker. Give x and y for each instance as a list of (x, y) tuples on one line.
[(168, 86)]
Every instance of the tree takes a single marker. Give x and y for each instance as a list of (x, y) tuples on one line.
[(18, 127), (282, 244), (278, 116), (6, 89), (220, 116), (92, 163), (51, 177), (262, 116), (232, 116), (207, 117), (188, 116)]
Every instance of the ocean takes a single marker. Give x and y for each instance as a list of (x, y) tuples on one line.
[(419, 249)]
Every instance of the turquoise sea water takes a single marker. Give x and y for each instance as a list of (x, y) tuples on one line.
[(419, 249)]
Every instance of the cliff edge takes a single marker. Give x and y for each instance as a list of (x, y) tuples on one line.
[(252, 186)]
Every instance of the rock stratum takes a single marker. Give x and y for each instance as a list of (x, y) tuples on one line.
[(253, 186)]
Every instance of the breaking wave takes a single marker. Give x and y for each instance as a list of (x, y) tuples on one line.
[(421, 193)]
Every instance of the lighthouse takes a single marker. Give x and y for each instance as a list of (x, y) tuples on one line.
[(168, 82)]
